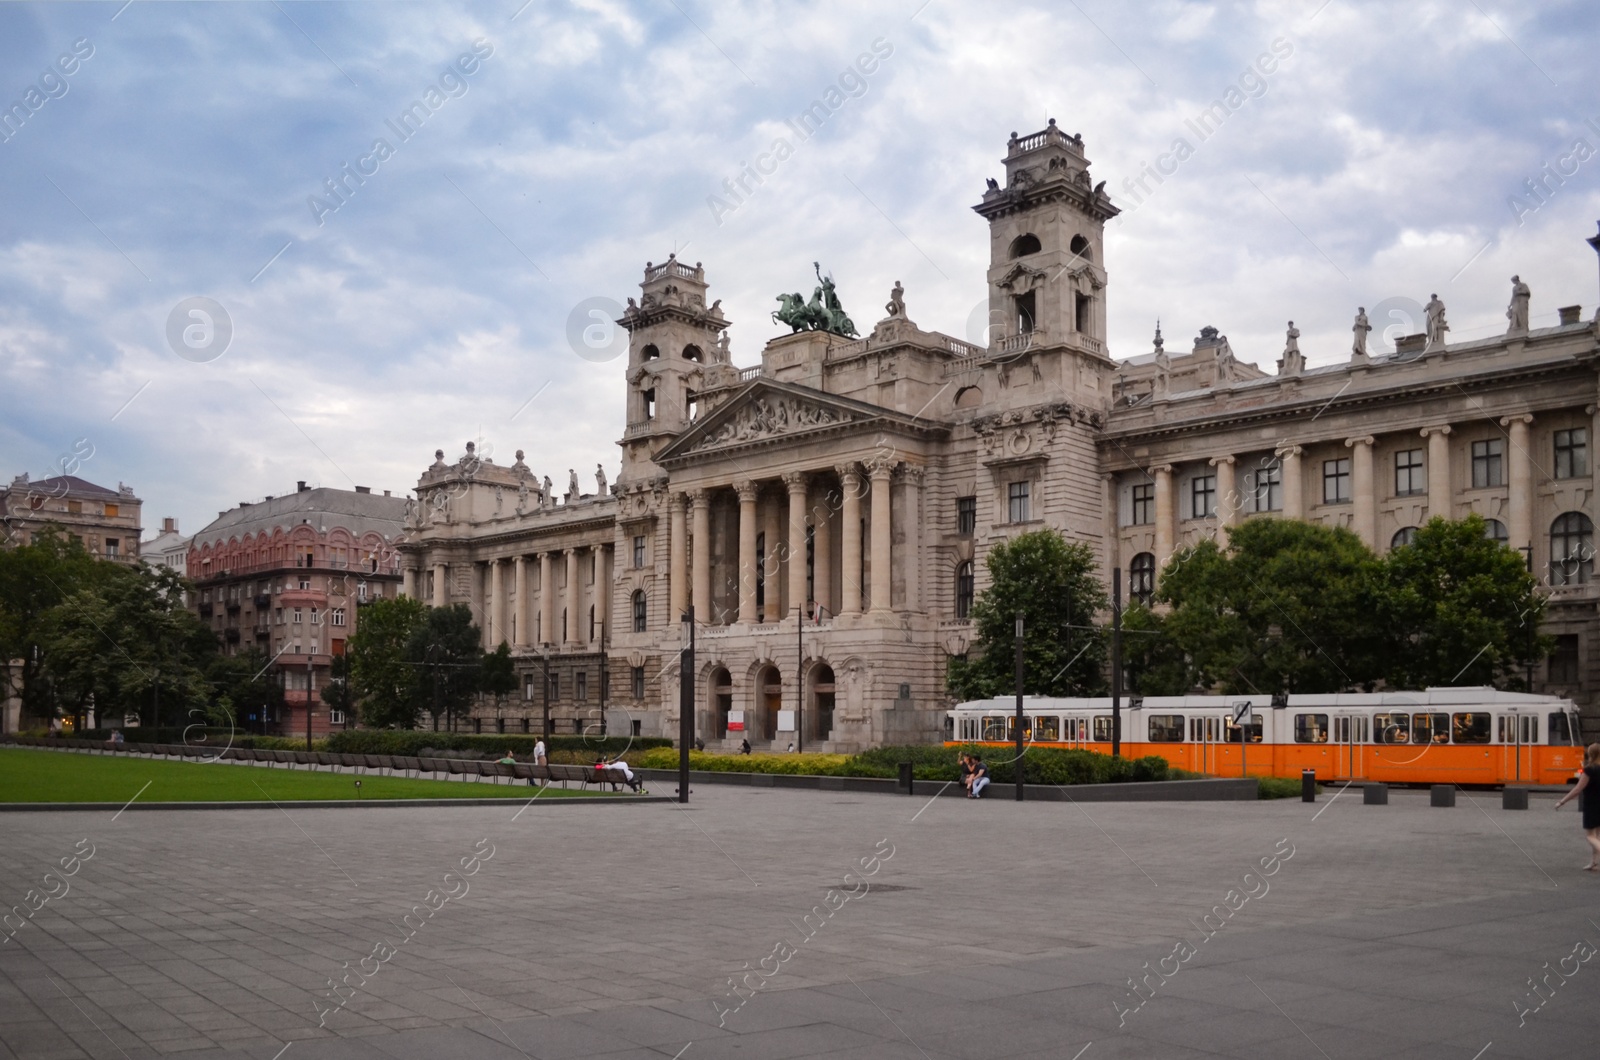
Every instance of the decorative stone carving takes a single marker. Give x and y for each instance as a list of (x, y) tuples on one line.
[(768, 417), (1291, 362), (573, 493), (1437, 325), (1360, 329), (548, 501), (897, 301), (600, 479), (1517, 311)]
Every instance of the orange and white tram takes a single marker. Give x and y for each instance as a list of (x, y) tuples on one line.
[(1437, 736)]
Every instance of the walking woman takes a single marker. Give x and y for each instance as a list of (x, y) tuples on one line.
[(1587, 790)]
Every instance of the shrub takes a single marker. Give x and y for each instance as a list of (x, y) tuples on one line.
[(472, 745), (1278, 788), (931, 762)]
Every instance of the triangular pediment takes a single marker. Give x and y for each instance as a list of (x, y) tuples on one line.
[(769, 411)]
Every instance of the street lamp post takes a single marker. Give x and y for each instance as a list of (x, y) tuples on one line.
[(544, 650), (1116, 661), (310, 680), (685, 703), (1017, 728)]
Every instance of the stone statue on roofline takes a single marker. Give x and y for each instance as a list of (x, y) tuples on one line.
[(1437, 325), (600, 479), (1291, 362), (1517, 311), (1360, 329)]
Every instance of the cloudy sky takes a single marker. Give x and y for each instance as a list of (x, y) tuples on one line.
[(188, 151)]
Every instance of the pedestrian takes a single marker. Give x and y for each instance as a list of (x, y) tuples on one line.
[(538, 761), (964, 771), (1587, 790), (744, 747), (980, 777), (699, 744)]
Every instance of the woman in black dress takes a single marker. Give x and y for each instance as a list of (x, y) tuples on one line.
[(1588, 790)]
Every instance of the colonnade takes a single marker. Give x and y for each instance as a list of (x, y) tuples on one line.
[(512, 610)]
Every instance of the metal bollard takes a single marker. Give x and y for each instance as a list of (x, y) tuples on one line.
[(1443, 795), (1375, 794), (1514, 799), (907, 781), (1308, 785)]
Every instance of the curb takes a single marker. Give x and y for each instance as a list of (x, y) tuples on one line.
[(319, 804), (1219, 790)]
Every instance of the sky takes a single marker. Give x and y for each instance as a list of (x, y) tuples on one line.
[(172, 159)]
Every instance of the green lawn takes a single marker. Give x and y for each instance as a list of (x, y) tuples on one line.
[(51, 776)]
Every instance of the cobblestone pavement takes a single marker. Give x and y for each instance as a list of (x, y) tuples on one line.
[(986, 929)]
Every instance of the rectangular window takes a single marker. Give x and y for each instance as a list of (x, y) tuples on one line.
[(638, 550), (1564, 660), (554, 691), (638, 682), (1017, 496), (335, 717), (336, 616), (1391, 728), (1166, 728), (1203, 496), (1047, 729), (305, 583), (1488, 464), (1144, 504), (581, 687), (1409, 477), (112, 511), (1430, 728), (966, 516), (1102, 728), (297, 614), (113, 546), (316, 617), (965, 586), (1572, 453), (1234, 732), (1336, 481), (994, 727), (1469, 727), (1310, 728), (1269, 488), (1560, 729), (75, 507)]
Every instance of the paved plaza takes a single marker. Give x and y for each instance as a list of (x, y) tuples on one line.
[(984, 930)]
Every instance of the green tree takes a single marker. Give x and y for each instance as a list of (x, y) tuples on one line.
[(1053, 583), (243, 692), (447, 654), (1288, 606), (339, 692), (34, 578), (499, 676), (1464, 610), (390, 688)]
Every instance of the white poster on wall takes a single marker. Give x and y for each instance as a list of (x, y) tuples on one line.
[(786, 721), (736, 721)]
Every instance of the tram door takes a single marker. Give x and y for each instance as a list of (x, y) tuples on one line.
[(1204, 734), (1350, 735), (1519, 735)]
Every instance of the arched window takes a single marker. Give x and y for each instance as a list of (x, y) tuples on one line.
[(639, 613), (964, 590), (1142, 578), (1024, 245), (649, 353), (1571, 549), (969, 397), (591, 622), (1403, 536), (1495, 530), (1080, 248), (692, 352)]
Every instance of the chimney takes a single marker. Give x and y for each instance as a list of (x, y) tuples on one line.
[(300, 487), (169, 525), (363, 489), (385, 493)]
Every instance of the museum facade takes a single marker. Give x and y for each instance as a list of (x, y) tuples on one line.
[(825, 514)]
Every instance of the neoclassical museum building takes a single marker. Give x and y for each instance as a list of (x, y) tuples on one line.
[(826, 512)]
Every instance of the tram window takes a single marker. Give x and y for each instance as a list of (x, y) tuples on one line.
[(1560, 730), (1469, 728), (1391, 728), (1505, 730), (1027, 728), (1530, 728), (949, 726), (1341, 730), (1311, 728), (969, 729), (1430, 728), (1233, 733), (1047, 728), (1102, 728), (1166, 728), (994, 726)]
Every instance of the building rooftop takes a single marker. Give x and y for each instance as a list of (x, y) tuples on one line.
[(322, 507)]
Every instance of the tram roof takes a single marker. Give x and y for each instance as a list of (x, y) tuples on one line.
[(1430, 697)]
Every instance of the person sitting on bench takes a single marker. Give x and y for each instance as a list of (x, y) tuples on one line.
[(980, 777), (616, 763)]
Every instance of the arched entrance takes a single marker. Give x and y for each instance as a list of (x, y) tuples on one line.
[(822, 702), (721, 701), (769, 696)]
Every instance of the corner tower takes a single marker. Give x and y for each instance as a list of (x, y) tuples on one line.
[(676, 346), (1047, 278)]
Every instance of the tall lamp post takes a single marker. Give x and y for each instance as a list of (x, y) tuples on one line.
[(1017, 726), (1594, 241), (685, 703), (310, 680), (544, 650), (1116, 661)]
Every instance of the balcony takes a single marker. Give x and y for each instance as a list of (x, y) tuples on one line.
[(263, 602), (233, 607), (205, 610), (231, 634)]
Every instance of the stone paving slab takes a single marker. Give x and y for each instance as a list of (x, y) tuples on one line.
[(993, 929)]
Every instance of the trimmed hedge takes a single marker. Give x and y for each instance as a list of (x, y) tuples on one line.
[(196, 737), (471, 745), (929, 762)]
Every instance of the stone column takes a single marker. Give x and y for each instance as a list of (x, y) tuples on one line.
[(548, 634), (524, 619), (1162, 473), (677, 559), (573, 599), (882, 472), (1110, 524), (1363, 490), (1439, 481), (747, 550), (602, 591), (796, 482), (850, 560), (408, 581), (700, 503), (911, 562), (480, 613), (441, 584), (1228, 500), (1520, 500), (822, 549), (496, 623), (1294, 492), (771, 530)]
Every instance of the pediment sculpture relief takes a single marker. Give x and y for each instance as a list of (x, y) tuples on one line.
[(767, 417)]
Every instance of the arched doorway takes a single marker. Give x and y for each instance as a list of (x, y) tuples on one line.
[(769, 697), (721, 701), (822, 702)]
